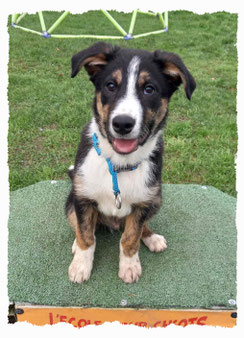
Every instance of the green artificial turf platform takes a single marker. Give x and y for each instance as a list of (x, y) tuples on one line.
[(197, 270)]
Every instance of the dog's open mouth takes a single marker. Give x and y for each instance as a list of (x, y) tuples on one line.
[(125, 146)]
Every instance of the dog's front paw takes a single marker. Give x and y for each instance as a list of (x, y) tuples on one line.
[(130, 269), (79, 271), (155, 243), (81, 265)]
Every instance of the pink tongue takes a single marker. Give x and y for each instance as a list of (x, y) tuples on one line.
[(125, 146)]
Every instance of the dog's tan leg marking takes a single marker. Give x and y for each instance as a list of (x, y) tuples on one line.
[(154, 242), (129, 265), (83, 247), (71, 215)]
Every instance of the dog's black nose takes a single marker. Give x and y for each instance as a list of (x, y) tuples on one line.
[(123, 124)]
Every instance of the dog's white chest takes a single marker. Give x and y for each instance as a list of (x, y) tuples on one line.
[(97, 185)]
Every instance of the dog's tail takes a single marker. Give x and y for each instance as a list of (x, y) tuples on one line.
[(71, 172)]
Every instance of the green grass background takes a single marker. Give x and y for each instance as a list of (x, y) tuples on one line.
[(47, 109)]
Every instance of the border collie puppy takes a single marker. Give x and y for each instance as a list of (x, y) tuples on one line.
[(116, 179)]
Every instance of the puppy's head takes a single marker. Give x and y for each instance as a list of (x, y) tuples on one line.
[(133, 88)]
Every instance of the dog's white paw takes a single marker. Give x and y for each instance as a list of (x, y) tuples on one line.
[(81, 265), (155, 243), (79, 271), (129, 268)]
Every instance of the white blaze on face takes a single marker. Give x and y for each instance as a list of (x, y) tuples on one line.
[(129, 104)]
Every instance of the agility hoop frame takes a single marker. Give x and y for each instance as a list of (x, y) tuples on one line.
[(47, 33)]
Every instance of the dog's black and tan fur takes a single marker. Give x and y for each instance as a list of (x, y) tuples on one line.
[(133, 89)]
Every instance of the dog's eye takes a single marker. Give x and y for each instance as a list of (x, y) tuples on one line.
[(111, 86), (149, 89)]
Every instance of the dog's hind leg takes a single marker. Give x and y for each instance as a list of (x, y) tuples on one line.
[(154, 242)]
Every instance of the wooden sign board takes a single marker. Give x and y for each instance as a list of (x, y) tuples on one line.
[(80, 317)]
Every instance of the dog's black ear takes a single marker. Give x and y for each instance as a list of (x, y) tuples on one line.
[(93, 58), (173, 67)]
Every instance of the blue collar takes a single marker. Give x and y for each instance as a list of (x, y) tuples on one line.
[(113, 171)]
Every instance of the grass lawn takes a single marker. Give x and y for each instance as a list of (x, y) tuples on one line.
[(47, 109)]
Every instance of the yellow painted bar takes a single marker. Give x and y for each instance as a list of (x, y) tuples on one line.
[(133, 21), (27, 30), (70, 36), (114, 22), (80, 317), (58, 22), (161, 19), (148, 13), (14, 17), (42, 22), (149, 33), (20, 18)]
